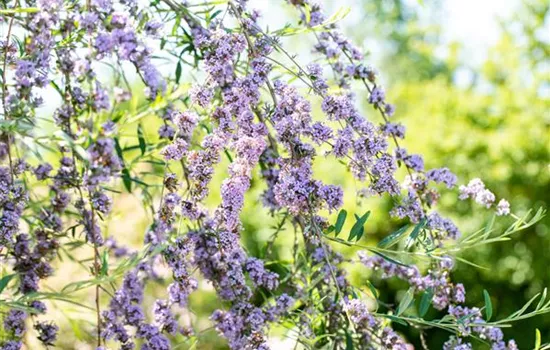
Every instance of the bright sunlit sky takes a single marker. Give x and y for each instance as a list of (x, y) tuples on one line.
[(473, 23)]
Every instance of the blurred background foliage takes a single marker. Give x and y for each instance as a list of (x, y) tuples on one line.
[(496, 126), (490, 121)]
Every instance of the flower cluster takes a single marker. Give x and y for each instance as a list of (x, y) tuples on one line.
[(474, 324), (476, 190), (370, 328), (437, 280)]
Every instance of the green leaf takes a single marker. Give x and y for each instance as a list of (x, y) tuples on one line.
[(307, 12), (396, 319), (118, 149), (214, 15), (5, 281), (372, 289), (81, 152), (360, 234), (178, 72), (127, 180), (105, 263), (357, 230), (228, 155), (425, 302), (141, 139), (349, 341), (392, 238), (340, 221), (176, 25), (340, 14), (405, 302), (76, 329), (20, 10), (138, 181), (415, 232), (392, 260), (542, 299), (488, 305), (489, 227), (537, 339)]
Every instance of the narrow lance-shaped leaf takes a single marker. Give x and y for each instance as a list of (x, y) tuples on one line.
[(126, 179), (178, 72), (340, 221), (392, 260), (141, 139), (349, 341), (105, 263), (415, 232), (405, 302), (214, 15), (542, 299), (357, 230), (5, 281), (372, 289), (396, 319), (118, 149), (393, 237), (488, 305), (425, 302)]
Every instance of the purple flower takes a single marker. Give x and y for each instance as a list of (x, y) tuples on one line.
[(394, 129), (259, 275), (11, 345), (167, 132), (42, 171), (14, 322), (104, 162), (60, 201), (320, 133), (456, 344), (389, 109), (152, 27), (316, 75), (413, 161), (175, 151), (47, 332), (101, 202), (442, 175), (445, 226), (39, 307), (104, 6), (503, 207), (201, 95), (89, 21), (332, 195), (377, 96)]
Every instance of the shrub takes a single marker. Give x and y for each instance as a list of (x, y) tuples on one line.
[(255, 106)]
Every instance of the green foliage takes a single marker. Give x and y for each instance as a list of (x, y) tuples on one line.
[(498, 128)]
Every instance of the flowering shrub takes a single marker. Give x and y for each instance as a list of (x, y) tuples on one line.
[(254, 104)]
